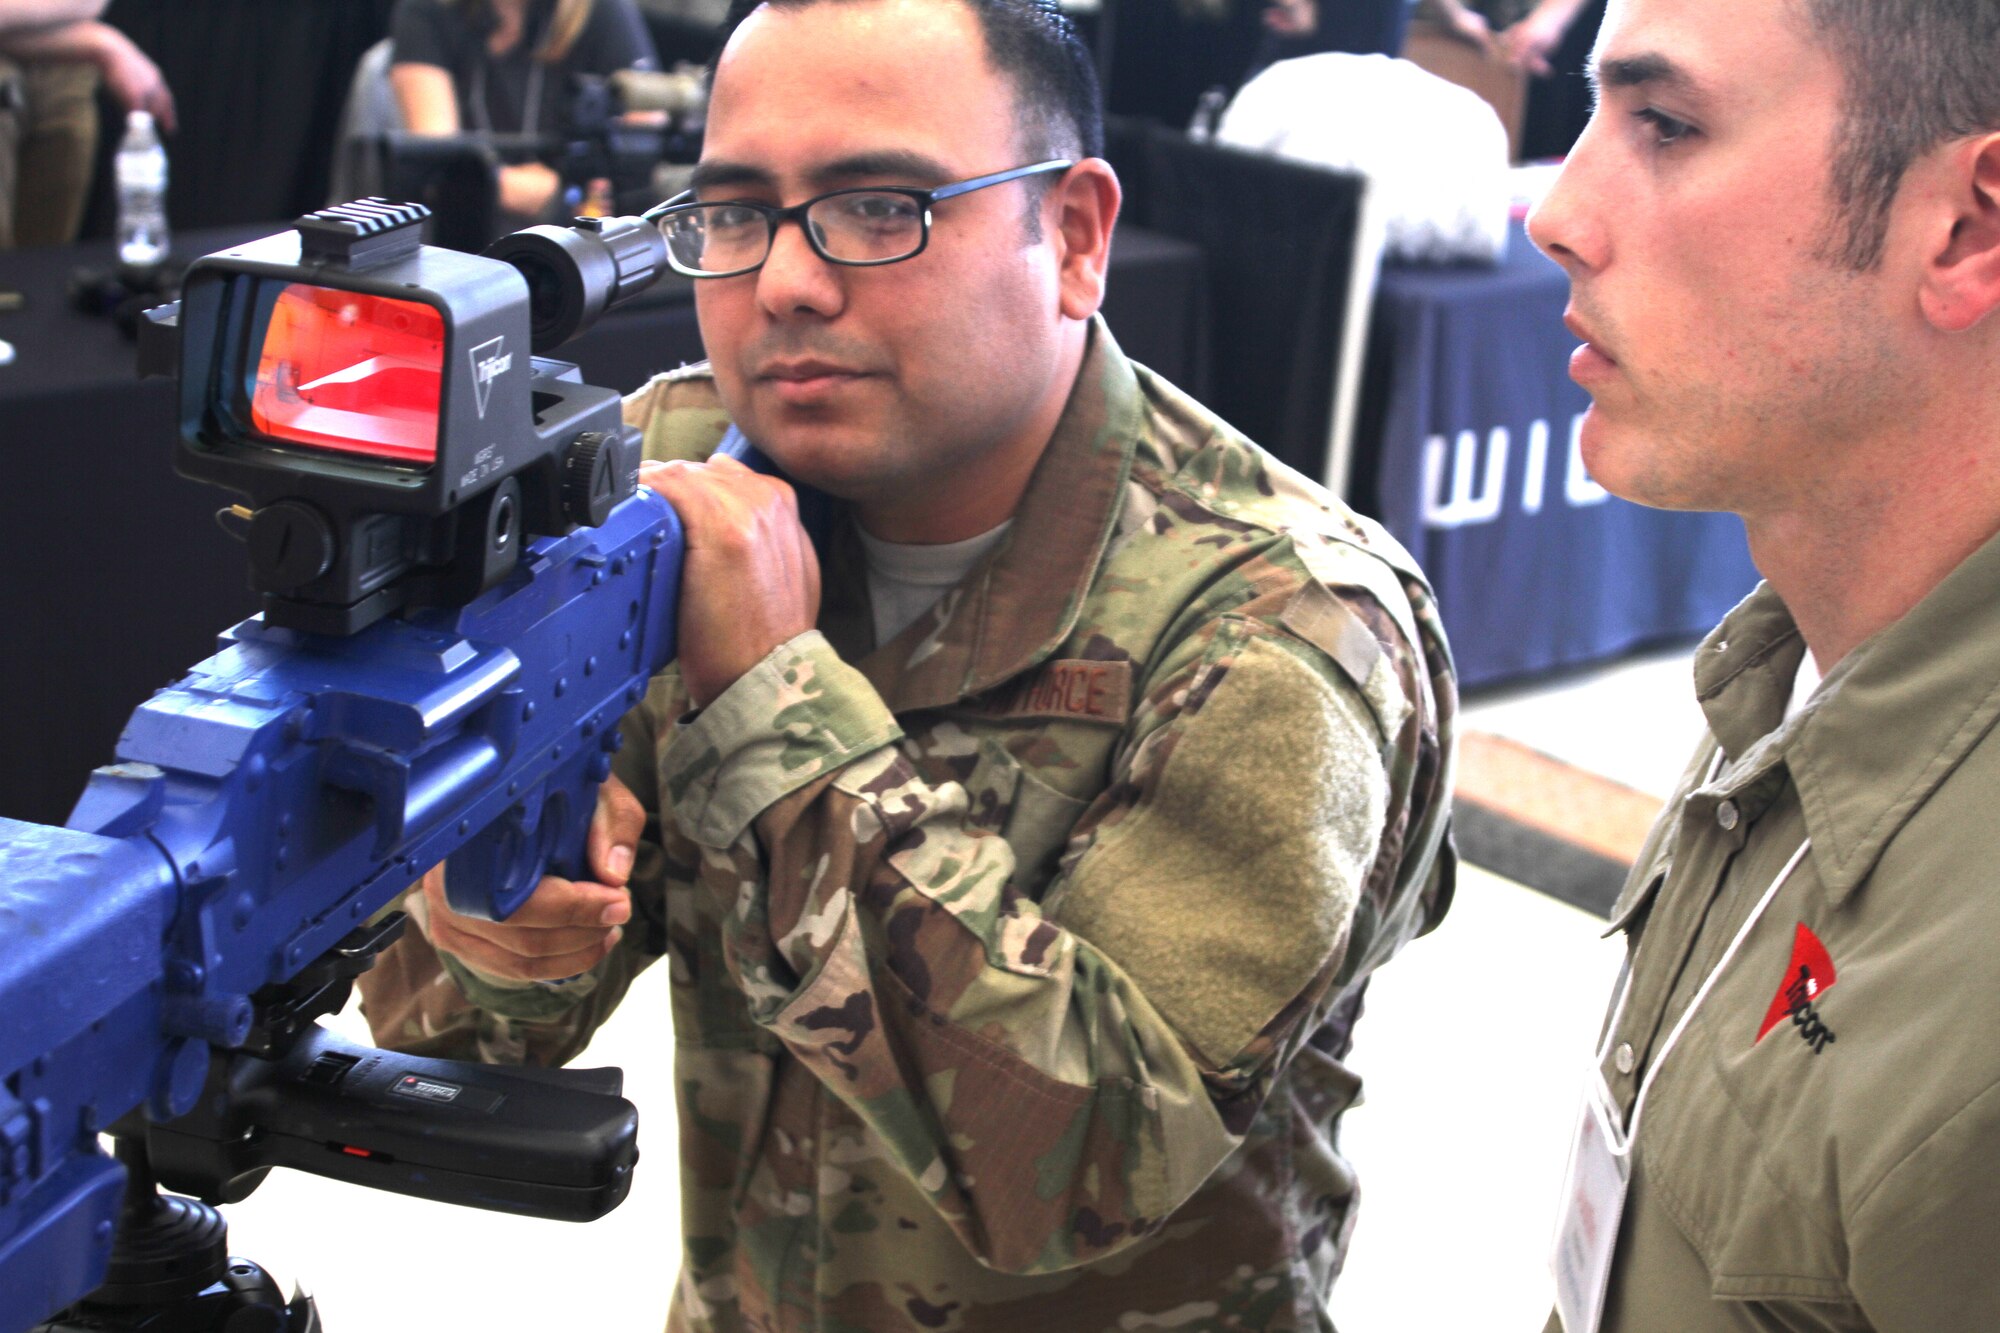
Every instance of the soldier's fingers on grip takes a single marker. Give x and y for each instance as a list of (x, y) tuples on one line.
[(495, 961), (436, 913), (681, 484), (685, 484), (614, 832), (535, 942), (719, 498), (650, 468), (561, 902), (741, 487), (572, 912)]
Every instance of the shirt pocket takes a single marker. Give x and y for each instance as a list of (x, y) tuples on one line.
[(1739, 1177), (1006, 797)]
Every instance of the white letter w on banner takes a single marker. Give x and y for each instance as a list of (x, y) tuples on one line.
[(1464, 505)]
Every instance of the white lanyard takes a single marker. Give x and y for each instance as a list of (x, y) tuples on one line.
[(1600, 1169), (1624, 1140)]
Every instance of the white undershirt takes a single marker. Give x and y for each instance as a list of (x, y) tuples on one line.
[(1803, 685), (905, 580)]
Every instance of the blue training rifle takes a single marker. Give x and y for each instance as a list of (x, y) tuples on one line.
[(462, 594)]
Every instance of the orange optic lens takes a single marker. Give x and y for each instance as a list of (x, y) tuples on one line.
[(353, 373)]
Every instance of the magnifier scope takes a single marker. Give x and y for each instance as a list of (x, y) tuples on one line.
[(384, 409)]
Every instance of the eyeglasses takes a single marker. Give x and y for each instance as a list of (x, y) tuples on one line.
[(862, 227)]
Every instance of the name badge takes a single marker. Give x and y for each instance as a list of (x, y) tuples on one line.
[(1068, 690), (1600, 1172)]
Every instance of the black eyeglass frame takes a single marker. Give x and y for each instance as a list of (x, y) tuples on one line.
[(774, 217)]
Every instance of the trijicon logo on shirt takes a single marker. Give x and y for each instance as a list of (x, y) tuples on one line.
[(1810, 974)]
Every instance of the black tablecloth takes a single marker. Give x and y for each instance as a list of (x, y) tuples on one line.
[(116, 577), (1279, 240), (1466, 448)]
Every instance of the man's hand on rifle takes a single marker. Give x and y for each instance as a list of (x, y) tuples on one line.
[(750, 580), (566, 926)]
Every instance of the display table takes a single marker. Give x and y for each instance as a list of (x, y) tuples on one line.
[(116, 576), (1466, 450)]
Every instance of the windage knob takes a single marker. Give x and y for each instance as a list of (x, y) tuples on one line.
[(591, 470)]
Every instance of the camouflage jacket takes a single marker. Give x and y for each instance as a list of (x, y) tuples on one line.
[(1013, 960)]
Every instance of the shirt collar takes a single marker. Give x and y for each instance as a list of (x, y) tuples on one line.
[(1893, 718), (1018, 605)]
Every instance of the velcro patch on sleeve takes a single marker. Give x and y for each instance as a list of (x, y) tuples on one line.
[(1068, 689), (1330, 625), (1230, 886)]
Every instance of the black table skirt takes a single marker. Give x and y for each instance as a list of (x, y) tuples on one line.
[(114, 577)]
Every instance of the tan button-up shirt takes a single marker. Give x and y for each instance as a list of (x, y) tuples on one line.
[(1821, 1150)]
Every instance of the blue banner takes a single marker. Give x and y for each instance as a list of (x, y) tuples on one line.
[(1536, 567)]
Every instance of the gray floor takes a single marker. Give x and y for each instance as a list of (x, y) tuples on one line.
[(1633, 721), (1474, 1048), (1478, 1036)]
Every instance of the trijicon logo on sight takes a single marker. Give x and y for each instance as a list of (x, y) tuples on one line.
[(490, 361)]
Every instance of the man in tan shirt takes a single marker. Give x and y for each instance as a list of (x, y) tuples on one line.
[(1782, 229)]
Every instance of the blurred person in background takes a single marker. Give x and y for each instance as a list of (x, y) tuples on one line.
[(505, 67), (52, 55), (685, 29), (1360, 27), (1551, 42), (1531, 42), (1166, 54)]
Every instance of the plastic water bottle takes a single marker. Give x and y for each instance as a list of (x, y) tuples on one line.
[(142, 193), (1208, 115)]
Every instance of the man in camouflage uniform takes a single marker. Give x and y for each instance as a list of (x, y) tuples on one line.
[(1014, 951)]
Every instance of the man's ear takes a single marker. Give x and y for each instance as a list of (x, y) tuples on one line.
[(1962, 283), (1082, 208)]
